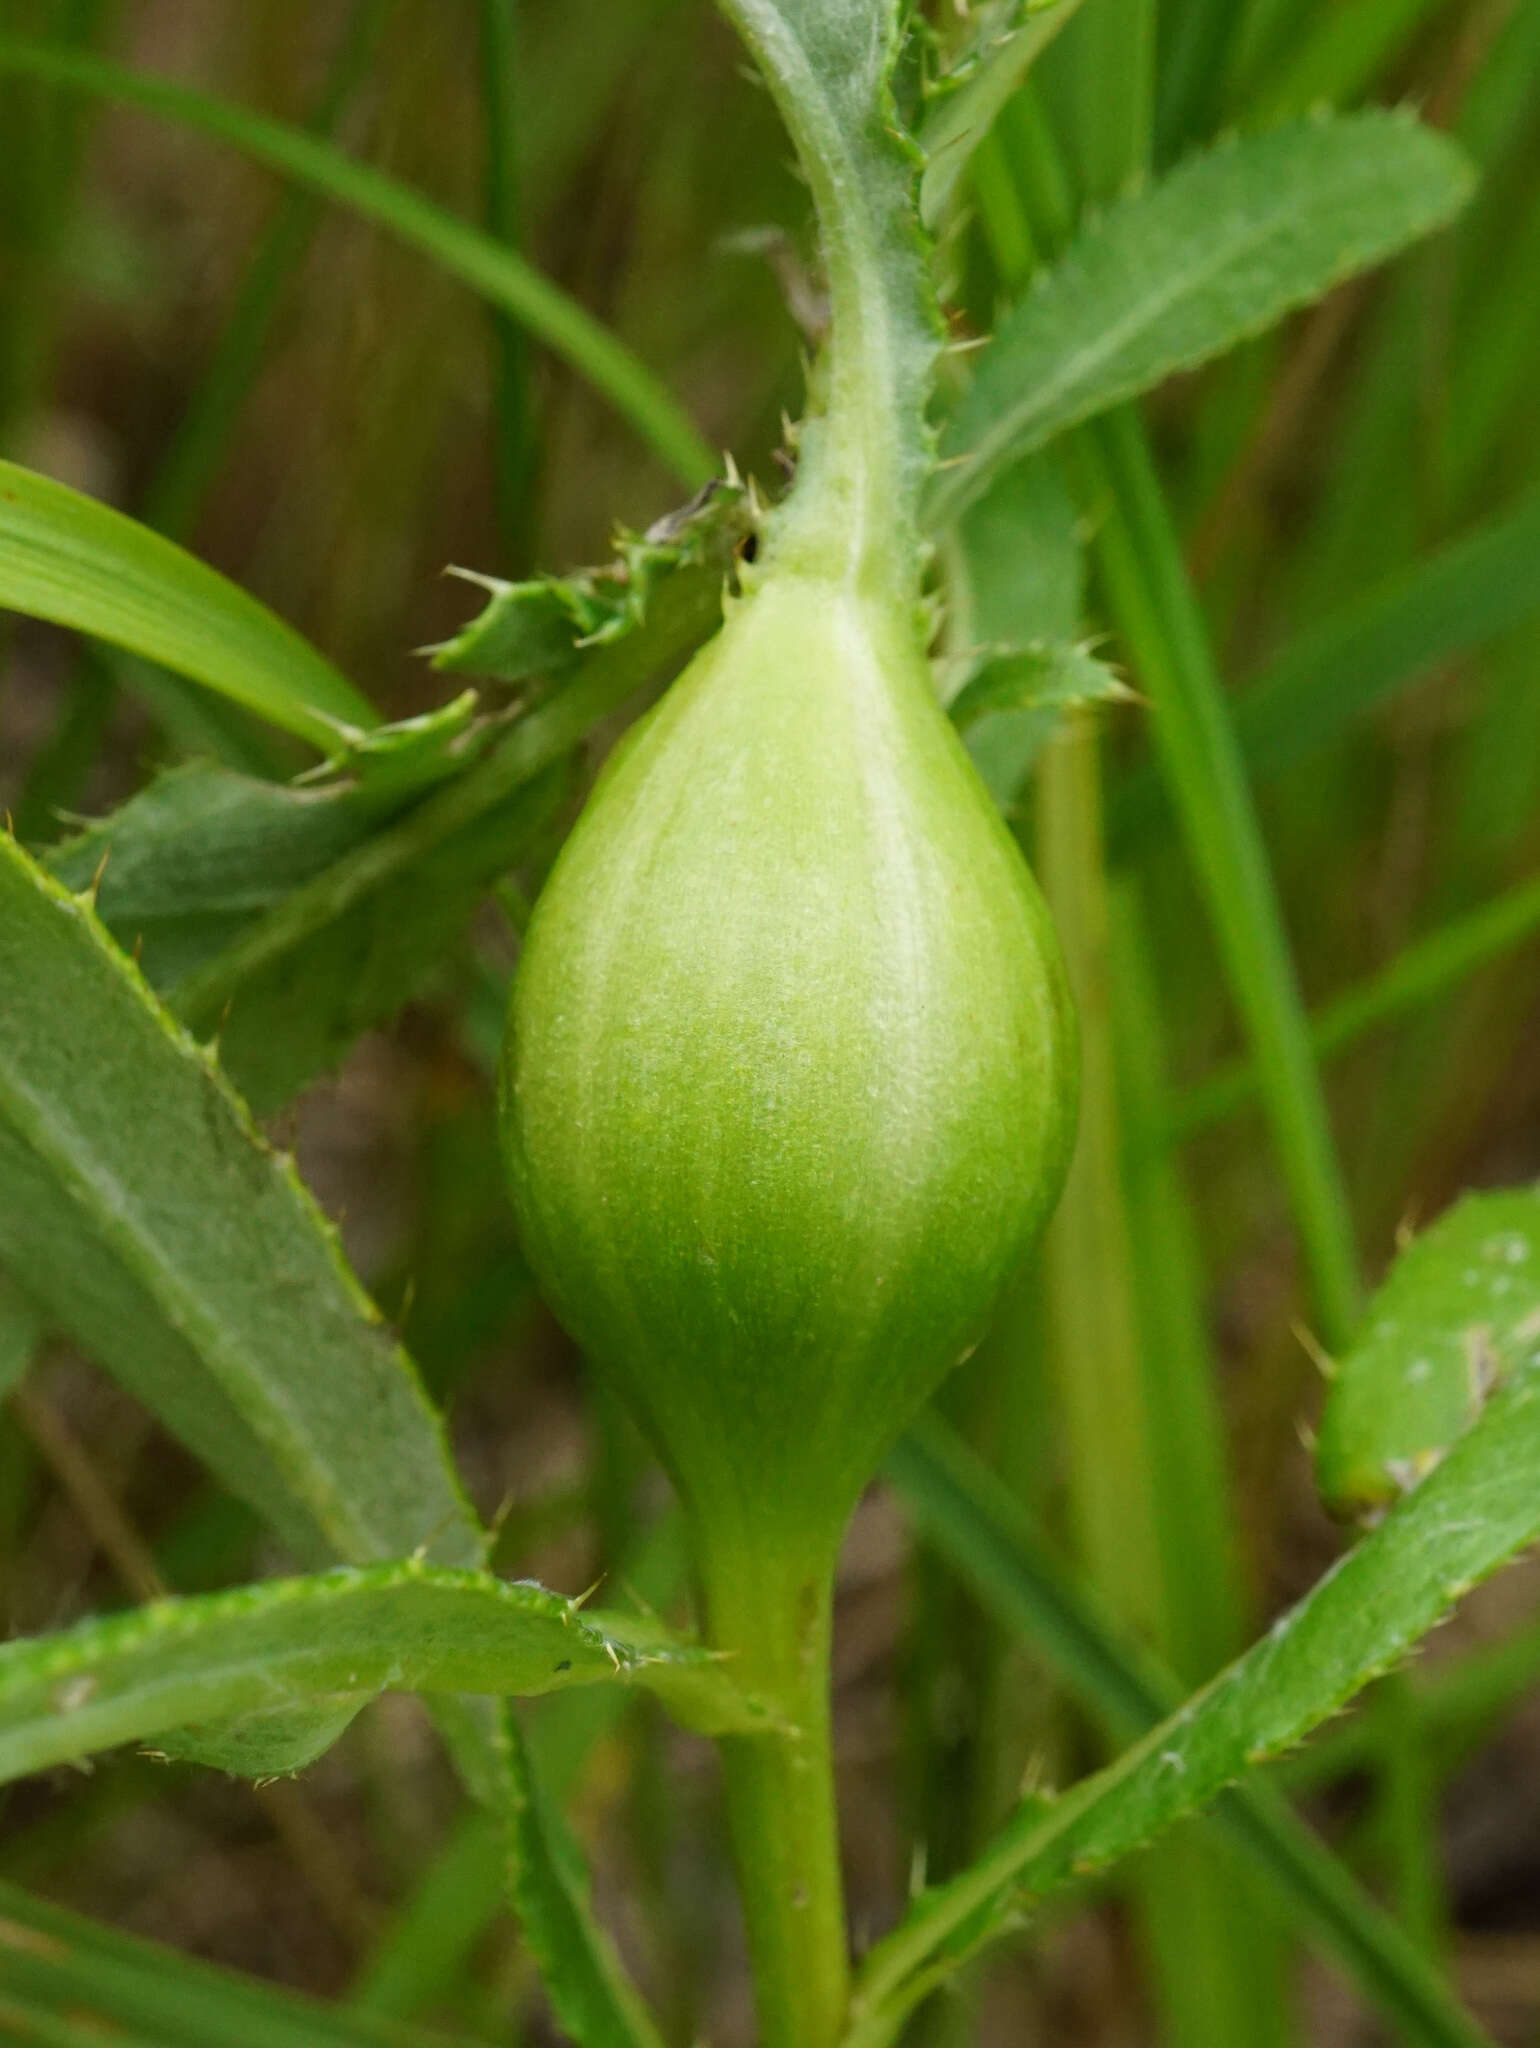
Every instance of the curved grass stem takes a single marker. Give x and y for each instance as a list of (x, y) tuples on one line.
[(488, 266)]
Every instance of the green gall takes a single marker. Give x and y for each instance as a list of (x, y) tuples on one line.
[(789, 1079)]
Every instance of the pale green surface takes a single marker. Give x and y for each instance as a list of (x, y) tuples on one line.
[(155, 1225), (788, 932), (1216, 251), (68, 558)]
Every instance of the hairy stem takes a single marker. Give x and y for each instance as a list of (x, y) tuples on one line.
[(770, 1612), (863, 453)]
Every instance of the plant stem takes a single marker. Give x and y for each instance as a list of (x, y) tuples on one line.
[(770, 1610), (1155, 606), (864, 451)]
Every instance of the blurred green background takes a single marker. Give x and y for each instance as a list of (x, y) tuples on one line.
[(330, 420)]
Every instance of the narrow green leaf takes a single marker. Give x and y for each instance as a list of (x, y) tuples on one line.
[(992, 1543), (1215, 252), (477, 259), (332, 1642), (684, 611), (515, 444), (1341, 55), (1460, 1306), (181, 869), (428, 1943), (156, 1227), (1428, 968), (1452, 600), (1448, 602), (291, 918), (65, 557), (589, 1990), (1006, 40), (1470, 1516), (66, 1979)]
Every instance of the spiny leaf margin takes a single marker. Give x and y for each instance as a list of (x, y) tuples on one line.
[(1470, 1516), (1170, 277), (333, 1640), (230, 1311)]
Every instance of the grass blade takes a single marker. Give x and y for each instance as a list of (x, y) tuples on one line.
[(488, 267), (513, 452), (1343, 53), (971, 96), (1427, 969), (1158, 611), (1450, 601), (64, 1978), (65, 557), (185, 471), (590, 1992)]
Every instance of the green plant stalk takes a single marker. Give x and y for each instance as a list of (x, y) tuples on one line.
[(852, 520), (864, 455), (1239, 1987), (1148, 1496), (1187, 1448), (1158, 614), (1132, 1480), (770, 1613), (466, 252), (1087, 1260)]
